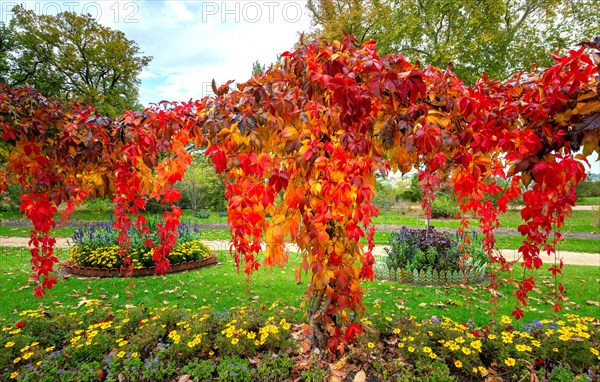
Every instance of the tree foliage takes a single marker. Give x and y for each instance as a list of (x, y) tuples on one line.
[(315, 130), (498, 37), (74, 58), (200, 187)]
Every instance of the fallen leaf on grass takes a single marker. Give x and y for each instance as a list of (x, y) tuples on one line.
[(360, 376), (589, 302)]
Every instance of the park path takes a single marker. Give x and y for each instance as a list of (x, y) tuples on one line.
[(575, 258)]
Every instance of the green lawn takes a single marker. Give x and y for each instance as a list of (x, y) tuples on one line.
[(579, 221), (590, 201), (223, 287), (381, 237), (514, 242)]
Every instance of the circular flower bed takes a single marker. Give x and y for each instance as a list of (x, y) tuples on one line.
[(106, 262), (96, 252)]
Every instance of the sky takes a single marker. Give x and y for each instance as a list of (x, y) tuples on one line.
[(194, 42)]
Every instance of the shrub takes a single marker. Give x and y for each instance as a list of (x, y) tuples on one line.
[(202, 214), (444, 206), (9, 201)]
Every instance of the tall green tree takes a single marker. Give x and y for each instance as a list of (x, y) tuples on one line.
[(497, 37), (7, 45), (201, 187), (73, 57)]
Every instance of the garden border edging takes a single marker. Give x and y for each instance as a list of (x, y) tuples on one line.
[(74, 269)]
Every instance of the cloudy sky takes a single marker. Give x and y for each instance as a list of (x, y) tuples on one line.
[(193, 42)]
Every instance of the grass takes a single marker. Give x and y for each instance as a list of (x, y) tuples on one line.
[(381, 238), (589, 201), (579, 221), (514, 242), (223, 287)]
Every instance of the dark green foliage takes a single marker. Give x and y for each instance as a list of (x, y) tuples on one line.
[(274, 368), (200, 369), (72, 57), (419, 249), (588, 189), (444, 207), (235, 369)]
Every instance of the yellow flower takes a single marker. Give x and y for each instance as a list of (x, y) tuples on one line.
[(509, 362), (411, 349), (121, 354), (370, 345), (466, 350), (9, 344), (27, 355), (555, 350), (458, 364), (234, 341), (251, 335), (396, 331), (50, 348), (595, 351), (401, 344), (492, 337), (432, 355), (14, 375), (426, 350), (16, 360), (476, 345), (134, 354), (523, 348), (506, 320), (482, 370)]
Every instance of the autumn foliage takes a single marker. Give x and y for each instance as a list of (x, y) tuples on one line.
[(299, 147)]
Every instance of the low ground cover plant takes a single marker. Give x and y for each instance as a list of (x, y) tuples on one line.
[(94, 342)]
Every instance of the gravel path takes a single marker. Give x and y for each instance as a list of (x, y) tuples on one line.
[(576, 258)]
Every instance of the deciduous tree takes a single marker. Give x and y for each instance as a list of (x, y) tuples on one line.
[(498, 37), (75, 58)]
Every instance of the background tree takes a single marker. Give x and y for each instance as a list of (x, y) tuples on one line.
[(74, 58), (201, 188), (7, 44), (497, 37)]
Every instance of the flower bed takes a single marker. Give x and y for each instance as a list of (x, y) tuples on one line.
[(93, 342), (96, 252), (75, 269), (431, 257)]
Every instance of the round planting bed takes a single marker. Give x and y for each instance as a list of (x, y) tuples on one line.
[(75, 269)]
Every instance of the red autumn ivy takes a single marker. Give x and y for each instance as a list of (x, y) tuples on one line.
[(314, 131)]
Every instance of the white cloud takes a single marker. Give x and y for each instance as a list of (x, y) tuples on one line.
[(194, 42)]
